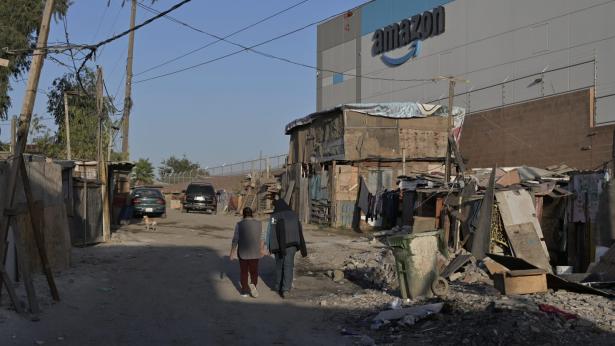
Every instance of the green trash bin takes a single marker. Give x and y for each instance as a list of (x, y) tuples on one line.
[(416, 262)]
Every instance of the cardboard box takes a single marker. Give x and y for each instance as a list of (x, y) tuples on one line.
[(521, 281)]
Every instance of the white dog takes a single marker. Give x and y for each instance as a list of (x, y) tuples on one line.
[(149, 224)]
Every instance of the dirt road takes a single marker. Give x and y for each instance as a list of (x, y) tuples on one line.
[(174, 286)]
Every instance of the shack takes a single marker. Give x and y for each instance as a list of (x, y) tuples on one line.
[(50, 191), (331, 150), (88, 204)]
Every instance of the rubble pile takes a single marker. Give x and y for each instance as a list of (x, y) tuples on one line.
[(477, 314), (361, 300), (471, 273), (372, 269)]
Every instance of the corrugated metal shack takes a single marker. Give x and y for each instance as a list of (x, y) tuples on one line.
[(330, 151)]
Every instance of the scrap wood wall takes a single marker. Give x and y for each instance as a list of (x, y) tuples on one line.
[(46, 182), (373, 137), (540, 133), (353, 136)]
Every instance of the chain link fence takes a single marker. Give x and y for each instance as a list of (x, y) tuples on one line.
[(239, 168)]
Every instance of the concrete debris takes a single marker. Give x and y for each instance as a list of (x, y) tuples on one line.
[(470, 272), (372, 269)]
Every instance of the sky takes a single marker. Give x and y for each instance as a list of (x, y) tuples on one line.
[(227, 111)]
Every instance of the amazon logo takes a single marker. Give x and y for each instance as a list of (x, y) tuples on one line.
[(409, 32)]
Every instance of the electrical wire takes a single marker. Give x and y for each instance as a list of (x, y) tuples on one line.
[(271, 56), (115, 109), (218, 39), (117, 15), (93, 48)]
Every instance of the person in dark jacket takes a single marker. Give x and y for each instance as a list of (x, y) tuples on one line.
[(285, 238), (248, 245)]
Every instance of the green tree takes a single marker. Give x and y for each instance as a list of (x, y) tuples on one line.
[(143, 172), (82, 113), (174, 165), (45, 141), (19, 23)]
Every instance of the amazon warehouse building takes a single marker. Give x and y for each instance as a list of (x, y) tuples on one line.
[(536, 77)]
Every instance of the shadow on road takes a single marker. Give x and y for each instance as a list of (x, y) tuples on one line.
[(175, 295)]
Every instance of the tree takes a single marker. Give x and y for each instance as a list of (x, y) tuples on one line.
[(83, 117), (173, 165), (43, 139), (20, 21), (143, 172)]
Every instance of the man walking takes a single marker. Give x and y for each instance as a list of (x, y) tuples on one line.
[(285, 238), (249, 247)]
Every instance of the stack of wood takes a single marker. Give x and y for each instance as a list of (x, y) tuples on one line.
[(268, 190)]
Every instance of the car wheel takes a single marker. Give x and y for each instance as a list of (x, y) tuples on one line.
[(163, 215)]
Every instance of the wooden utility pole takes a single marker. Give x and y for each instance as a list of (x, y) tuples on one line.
[(449, 150), (128, 88), (18, 165), (13, 134), (67, 127), (99, 113), (100, 156)]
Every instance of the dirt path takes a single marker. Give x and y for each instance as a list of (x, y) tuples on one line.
[(174, 286)]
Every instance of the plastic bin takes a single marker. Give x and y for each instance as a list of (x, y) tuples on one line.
[(416, 262)]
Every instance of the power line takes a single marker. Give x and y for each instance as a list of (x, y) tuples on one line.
[(117, 15), (115, 109), (102, 19), (218, 39), (250, 48), (271, 56), (126, 32)]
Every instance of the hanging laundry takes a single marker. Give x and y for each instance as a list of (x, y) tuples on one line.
[(587, 189)]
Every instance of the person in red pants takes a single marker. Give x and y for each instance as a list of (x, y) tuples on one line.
[(249, 248)]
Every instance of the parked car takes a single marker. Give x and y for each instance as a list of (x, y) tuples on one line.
[(201, 197), (148, 201)]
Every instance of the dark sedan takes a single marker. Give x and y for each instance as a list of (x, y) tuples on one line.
[(148, 201)]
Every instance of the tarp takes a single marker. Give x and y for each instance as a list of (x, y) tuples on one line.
[(387, 110)]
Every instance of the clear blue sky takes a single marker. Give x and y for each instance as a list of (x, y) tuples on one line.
[(223, 112)]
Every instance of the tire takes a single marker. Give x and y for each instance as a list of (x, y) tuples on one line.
[(163, 215), (440, 287)]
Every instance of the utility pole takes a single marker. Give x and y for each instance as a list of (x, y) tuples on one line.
[(449, 150), (38, 59), (452, 81), (99, 113), (110, 143), (100, 157), (127, 91), (67, 126), (13, 133)]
